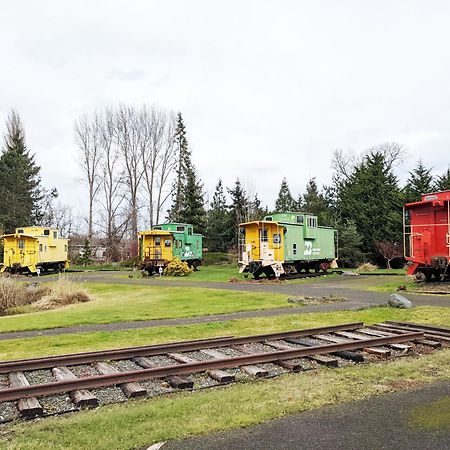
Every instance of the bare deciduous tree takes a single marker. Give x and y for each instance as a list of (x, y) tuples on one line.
[(114, 224), (159, 159), (389, 250), (87, 137), (130, 137)]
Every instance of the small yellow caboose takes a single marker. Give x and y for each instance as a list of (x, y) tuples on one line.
[(34, 250)]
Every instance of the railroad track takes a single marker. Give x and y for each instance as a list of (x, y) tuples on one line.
[(135, 371)]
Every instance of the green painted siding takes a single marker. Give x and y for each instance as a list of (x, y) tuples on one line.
[(187, 245)]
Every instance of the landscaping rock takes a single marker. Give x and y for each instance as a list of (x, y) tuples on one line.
[(350, 274), (398, 301)]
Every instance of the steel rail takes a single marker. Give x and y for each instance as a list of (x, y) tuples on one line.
[(390, 326), (158, 349), (419, 325), (99, 381)]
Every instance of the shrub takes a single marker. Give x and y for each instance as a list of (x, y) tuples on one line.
[(132, 262), (62, 293), (177, 268), (217, 258), (367, 267)]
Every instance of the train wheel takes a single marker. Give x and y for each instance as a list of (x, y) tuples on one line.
[(419, 277)]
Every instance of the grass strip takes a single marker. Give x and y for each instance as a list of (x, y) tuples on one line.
[(69, 343)]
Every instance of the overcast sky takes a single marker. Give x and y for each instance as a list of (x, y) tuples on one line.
[(267, 88)]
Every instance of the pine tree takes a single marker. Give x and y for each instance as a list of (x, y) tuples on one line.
[(184, 161), (443, 181), (238, 209), (86, 254), (314, 202), (285, 201), (372, 199), (255, 210), (420, 181), (349, 245), (192, 209), (20, 183), (219, 230)]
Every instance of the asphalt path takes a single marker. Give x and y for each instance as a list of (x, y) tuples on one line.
[(352, 288), (378, 423)]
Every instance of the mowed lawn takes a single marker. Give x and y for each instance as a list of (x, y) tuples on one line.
[(219, 273), (138, 424), (120, 303), (69, 343)]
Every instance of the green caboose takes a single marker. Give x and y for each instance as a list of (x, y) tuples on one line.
[(285, 243), (161, 244)]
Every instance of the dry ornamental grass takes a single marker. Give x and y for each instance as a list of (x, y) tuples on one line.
[(14, 295), (367, 267)]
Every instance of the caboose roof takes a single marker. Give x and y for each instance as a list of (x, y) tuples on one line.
[(432, 197)]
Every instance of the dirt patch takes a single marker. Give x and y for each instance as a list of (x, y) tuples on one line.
[(316, 300), (405, 384), (434, 288)]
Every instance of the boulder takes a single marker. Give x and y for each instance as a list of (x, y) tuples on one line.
[(398, 301)]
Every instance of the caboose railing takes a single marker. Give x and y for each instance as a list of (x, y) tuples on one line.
[(153, 252)]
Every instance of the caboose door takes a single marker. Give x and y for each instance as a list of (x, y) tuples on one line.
[(263, 243)]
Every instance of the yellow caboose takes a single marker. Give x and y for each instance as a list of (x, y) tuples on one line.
[(34, 250)]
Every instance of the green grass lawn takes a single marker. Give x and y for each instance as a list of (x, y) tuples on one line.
[(219, 273), (137, 424), (68, 343), (120, 303)]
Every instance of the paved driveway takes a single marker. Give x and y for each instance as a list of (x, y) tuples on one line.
[(383, 422)]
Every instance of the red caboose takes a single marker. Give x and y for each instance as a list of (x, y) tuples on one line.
[(426, 230)]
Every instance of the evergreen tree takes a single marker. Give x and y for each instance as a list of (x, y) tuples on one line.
[(420, 181), (443, 181), (85, 257), (285, 201), (372, 199), (20, 183), (349, 245), (238, 209), (192, 209), (219, 230), (184, 162), (314, 202), (255, 210)]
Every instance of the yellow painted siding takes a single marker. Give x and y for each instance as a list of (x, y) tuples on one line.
[(253, 242), (154, 245), (31, 246)]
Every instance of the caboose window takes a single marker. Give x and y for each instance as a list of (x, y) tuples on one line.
[(157, 228), (157, 240), (190, 231), (180, 229), (20, 231), (294, 249), (178, 243), (263, 235), (40, 247), (167, 243), (300, 219), (46, 232), (55, 234), (21, 244)]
